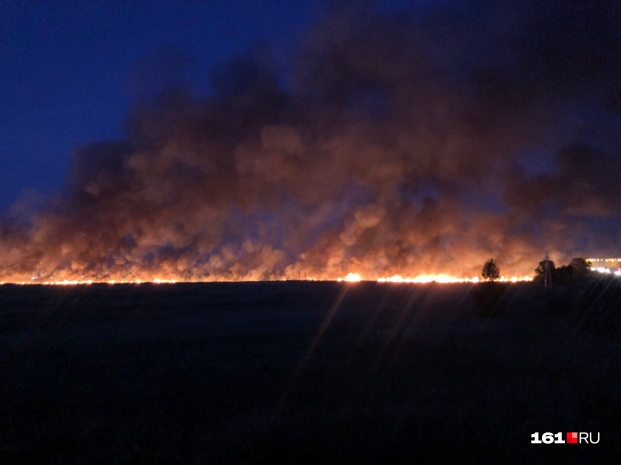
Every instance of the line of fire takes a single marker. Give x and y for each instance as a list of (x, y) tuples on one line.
[(611, 266)]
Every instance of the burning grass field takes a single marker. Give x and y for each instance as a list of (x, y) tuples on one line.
[(301, 372)]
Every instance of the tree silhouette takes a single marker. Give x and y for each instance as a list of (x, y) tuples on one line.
[(540, 271), (563, 275), (490, 272), (580, 268)]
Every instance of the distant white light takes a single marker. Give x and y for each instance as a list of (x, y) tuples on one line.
[(601, 269)]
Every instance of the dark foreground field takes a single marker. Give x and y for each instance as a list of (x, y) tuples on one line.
[(308, 373)]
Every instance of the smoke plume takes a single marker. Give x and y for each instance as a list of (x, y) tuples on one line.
[(418, 142)]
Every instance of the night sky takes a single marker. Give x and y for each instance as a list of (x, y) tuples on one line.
[(70, 70), (260, 140)]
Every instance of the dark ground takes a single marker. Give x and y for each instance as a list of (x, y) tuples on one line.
[(302, 372)]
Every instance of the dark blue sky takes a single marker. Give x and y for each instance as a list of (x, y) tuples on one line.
[(69, 70)]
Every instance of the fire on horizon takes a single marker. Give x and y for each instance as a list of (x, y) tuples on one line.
[(600, 265), (395, 150)]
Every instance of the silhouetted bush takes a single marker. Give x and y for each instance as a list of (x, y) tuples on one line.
[(490, 271), (540, 271), (578, 269)]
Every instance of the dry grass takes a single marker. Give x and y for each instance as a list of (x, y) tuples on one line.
[(245, 373)]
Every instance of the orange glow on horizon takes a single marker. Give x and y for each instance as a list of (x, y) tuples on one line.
[(350, 278), (440, 278), (447, 279)]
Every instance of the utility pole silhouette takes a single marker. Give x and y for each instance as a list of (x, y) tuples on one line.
[(547, 277)]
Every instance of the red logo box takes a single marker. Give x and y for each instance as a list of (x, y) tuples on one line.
[(572, 438)]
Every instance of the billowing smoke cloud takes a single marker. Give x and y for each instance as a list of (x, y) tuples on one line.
[(423, 142)]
